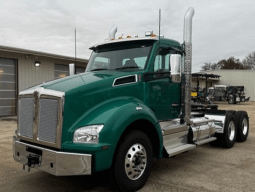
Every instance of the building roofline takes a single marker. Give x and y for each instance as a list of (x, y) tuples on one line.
[(39, 53), (205, 74)]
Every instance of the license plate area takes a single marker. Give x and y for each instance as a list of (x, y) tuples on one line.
[(34, 151)]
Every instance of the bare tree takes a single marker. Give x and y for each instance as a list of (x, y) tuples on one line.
[(249, 61), (210, 66), (231, 63)]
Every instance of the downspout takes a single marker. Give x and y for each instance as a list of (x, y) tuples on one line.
[(187, 38), (71, 69)]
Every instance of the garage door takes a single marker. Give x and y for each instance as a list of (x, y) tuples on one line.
[(7, 87)]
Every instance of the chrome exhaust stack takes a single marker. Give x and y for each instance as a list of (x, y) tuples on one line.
[(187, 38), (112, 32)]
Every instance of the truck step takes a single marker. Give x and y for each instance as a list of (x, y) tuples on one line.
[(170, 127), (208, 140), (180, 149)]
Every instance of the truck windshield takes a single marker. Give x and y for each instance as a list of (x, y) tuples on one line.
[(120, 56)]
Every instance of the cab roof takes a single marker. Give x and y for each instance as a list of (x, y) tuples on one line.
[(171, 42)]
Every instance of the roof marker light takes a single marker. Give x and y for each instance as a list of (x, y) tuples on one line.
[(148, 33)]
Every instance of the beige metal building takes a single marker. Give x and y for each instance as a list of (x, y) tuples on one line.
[(21, 68), (244, 78)]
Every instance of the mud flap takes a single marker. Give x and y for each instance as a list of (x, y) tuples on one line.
[(190, 136)]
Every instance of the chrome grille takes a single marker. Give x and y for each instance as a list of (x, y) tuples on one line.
[(26, 110), (48, 119), (41, 116)]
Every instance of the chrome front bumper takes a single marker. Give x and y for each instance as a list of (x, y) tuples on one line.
[(54, 162)]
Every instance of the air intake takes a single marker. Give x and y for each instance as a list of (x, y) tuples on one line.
[(125, 80)]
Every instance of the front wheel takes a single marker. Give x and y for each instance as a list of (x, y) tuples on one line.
[(133, 162)]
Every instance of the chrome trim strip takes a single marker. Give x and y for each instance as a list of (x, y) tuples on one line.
[(54, 162), (43, 91), (136, 80)]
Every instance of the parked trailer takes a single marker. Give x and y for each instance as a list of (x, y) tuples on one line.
[(126, 109)]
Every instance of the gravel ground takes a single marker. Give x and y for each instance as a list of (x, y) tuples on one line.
[(205, 168)]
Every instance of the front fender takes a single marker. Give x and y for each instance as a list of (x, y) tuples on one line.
[(116, 115)]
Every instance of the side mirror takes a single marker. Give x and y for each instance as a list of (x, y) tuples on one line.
[(71, 69), (175, 65)]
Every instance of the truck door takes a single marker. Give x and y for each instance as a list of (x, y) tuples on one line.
[(163, 95)]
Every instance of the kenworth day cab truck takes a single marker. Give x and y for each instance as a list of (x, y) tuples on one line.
[(131, 105)]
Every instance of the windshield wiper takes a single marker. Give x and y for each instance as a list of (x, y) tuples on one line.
[(99, 69), (131, 67)]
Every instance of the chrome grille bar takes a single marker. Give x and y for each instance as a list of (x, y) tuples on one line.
[(26, 110), (48, 119)]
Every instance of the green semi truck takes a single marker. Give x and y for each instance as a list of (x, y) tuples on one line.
[(132, 105)]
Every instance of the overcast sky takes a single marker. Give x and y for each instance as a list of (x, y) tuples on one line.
[(220, 28)]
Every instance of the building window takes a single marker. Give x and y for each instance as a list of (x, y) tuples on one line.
[(79, 70), (63, 70)]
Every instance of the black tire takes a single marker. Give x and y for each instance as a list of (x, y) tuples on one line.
[(231, 99), (216, 143), (242, 123), (228, 138), (118, 177)]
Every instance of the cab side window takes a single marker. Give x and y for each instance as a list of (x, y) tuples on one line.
[(158, 63), (161, 63)]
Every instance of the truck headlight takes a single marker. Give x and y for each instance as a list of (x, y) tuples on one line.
[(88, 134)]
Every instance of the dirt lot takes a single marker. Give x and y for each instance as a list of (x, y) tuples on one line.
[(205, 168)]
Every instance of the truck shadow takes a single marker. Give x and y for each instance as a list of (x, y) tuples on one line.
[(96, 182)]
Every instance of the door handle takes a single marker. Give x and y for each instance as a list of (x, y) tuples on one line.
[(175, 105)]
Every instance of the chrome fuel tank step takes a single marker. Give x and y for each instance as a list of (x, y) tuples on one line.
[(208, 140), (175, 137), (170, 127), (180, 149)]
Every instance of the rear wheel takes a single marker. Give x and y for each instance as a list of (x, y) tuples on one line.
[(133, 162), (242, 122), (228, 138)]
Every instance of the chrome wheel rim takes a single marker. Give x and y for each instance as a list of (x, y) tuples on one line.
[(245, 126), (231, 130), (135, 161)]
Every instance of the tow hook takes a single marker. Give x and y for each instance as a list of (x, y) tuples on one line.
[(32, 160)]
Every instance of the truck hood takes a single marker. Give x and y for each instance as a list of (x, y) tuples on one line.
[(78, 81), (85, 92)]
